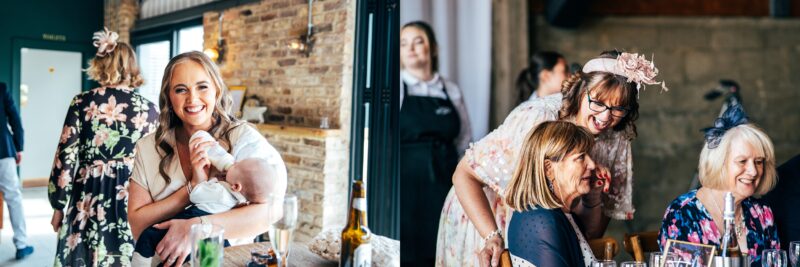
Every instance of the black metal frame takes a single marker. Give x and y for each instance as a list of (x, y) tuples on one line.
[(376, 111), (163, 33)]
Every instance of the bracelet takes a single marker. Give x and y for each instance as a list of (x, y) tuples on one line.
[(494, 233)]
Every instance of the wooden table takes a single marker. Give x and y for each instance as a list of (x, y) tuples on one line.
[(299, 255)]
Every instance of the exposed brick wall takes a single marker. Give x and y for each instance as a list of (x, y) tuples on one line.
[(317, 162), (120, 16), (298, 90), (692, 54)]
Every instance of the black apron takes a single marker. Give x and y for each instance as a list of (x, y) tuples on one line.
[(429, 127)]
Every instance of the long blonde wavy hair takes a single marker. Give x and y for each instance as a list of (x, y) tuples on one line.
[(223, 120)]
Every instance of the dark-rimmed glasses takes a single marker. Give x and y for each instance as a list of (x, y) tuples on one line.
[(598, 106)]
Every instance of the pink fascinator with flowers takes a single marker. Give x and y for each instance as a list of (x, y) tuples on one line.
[(105, 41), (636, 68)]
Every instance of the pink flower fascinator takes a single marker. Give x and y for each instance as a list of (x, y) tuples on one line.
[(105, 41), (636, 68)]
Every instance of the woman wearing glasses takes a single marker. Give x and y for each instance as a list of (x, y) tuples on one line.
[(603, 99)]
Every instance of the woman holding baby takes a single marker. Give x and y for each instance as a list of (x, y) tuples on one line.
[(194, 98)]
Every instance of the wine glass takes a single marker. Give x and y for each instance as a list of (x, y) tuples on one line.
[(794, 252), (604, 263), (280, 232), (773, 258), (633, 264)]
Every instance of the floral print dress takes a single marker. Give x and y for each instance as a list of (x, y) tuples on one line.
[(89, 180), (687, 219), (494, 159)]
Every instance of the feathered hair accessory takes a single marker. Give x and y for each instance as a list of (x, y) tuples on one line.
[(635, 67), (733, 116), (105, 41)]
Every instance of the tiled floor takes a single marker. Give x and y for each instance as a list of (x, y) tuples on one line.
[(40, 233)]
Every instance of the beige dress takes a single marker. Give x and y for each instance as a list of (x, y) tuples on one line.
[(494, 159)]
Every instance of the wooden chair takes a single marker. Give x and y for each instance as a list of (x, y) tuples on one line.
[(505, 259), (637, 244), (604, 248)]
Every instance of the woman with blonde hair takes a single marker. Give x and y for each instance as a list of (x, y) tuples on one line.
[(88, 187), (553, 173), (194, 98), (603, 98), (737, 158)]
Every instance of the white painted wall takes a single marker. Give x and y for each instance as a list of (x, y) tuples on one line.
[(463, 30), (53, 78)]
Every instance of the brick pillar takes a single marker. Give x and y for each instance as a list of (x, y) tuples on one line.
[(120, 16)]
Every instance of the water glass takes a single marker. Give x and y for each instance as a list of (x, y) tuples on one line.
[(657, 258), (280, 232), (773, 258), (604, 263), (633, 264), (207, 245), (794, 252)]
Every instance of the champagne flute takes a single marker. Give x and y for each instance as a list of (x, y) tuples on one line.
[(280, 232), (794, 252), (773, 258)]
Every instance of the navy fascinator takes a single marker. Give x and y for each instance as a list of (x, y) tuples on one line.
[(733, 116)]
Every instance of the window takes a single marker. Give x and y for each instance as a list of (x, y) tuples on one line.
[(153, 58), (190, 39), (155, 47)]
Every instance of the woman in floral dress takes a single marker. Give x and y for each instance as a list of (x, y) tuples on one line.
[(737, 157), (88, 187), (603, 99)]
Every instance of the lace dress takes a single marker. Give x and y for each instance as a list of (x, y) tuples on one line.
[(494, 159)]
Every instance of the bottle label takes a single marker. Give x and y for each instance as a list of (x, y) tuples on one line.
[(362, 257), (360, 204)]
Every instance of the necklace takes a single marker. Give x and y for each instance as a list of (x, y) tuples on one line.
[(737, 227)]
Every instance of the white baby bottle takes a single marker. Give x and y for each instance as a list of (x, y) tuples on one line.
[(216, 154)]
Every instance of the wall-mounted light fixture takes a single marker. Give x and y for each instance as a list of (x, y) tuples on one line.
[(305, 43), (217, 53)]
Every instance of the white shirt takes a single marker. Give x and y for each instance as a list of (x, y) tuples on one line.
[(435, 88), (247, 143), (214, 196)]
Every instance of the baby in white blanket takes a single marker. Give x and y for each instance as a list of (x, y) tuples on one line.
[(248, 181)]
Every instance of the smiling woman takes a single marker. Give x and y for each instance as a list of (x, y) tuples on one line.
[(737, 157), (595, 99), (194, 98)]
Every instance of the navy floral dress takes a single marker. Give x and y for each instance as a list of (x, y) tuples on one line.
[(686, 219), (89, 180)]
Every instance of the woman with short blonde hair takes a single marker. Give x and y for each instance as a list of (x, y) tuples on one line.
[(553, 173), (712, 161), (737, 158), (116, 67), (88, 187)]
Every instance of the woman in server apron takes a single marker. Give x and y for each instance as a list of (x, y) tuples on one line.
[(434, 132)]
